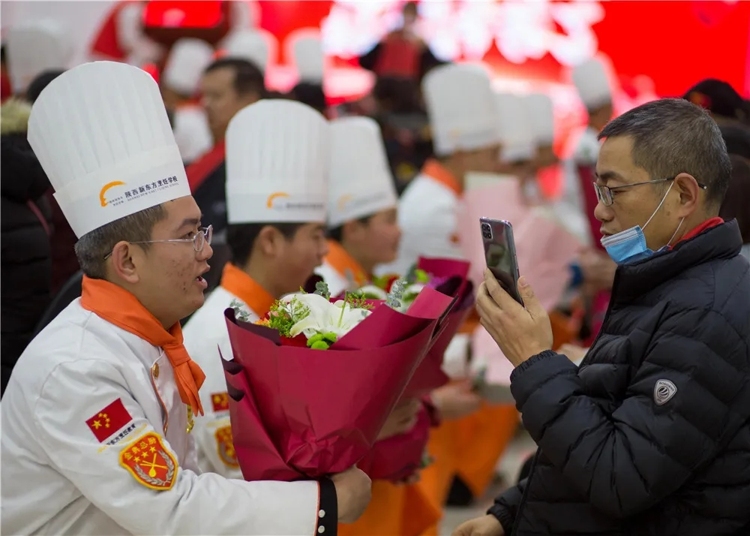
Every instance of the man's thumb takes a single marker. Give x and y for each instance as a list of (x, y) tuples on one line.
[(529, 298)]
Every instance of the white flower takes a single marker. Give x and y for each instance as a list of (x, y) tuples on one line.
[(325, 317), (371, 292)]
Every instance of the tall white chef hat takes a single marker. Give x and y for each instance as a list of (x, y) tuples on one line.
[(461, 107), (185, 65), (309, 58), (250, 45), (592, 83), (541, 112), (102, 135), (36, 47), (360, 183), (516, 131), (277, 161)]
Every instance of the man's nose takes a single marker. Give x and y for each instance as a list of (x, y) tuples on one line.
[(603, 213), (206, 253)]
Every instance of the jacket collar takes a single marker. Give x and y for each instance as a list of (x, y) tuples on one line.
[(716, 243)]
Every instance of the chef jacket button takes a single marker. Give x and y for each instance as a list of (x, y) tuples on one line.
[(322, 514), (155, 370), (321, 530)]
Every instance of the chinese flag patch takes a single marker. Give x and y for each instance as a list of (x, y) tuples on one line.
[(225, 446), (109, 420), (220, 402), (149, 462)]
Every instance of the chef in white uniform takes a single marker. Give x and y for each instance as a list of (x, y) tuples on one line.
[(590, 79), (33, 48), (99, 408), (464, 122), (362, 206), (277, 187), (180, 79)]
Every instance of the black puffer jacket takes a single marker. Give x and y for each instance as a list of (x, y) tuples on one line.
[(651, 436), (26, 257)]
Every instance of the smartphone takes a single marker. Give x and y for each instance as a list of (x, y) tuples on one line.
[(500, 254)]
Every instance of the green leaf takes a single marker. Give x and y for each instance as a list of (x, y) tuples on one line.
[(321, 289), (396, 294)]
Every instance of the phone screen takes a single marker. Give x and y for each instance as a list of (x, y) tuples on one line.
[(500, 254)]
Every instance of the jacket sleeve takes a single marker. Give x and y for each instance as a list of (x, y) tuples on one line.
[(506, 506), (192, 504), (628, 461)]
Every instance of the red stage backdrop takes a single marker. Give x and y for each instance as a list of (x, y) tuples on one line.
[(672, 43)]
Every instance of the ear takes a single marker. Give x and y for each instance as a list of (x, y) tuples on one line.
[(125, 260), (269, 241), (689, 191)]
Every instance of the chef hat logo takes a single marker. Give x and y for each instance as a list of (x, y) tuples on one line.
[(102, 193)]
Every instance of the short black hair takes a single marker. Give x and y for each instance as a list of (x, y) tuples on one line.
[(241, 238), (310, 94), (673, 136), (248, 78), (41, 81), (337, 233)]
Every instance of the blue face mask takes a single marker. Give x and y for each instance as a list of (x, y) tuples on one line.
[(629, 246)]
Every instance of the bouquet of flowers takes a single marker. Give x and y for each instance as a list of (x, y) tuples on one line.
[(312, 384)]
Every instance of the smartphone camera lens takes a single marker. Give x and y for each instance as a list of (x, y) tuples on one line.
[(487, 231)]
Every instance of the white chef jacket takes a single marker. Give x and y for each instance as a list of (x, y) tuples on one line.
[(191, 132), (58, 478), (204, 335), (428, 217), (570, 209)]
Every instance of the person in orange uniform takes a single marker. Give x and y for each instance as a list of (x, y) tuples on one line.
[(464, 121), (364, 232)]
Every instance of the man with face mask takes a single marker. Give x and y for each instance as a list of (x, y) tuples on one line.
[(649, 436), (98, 414)]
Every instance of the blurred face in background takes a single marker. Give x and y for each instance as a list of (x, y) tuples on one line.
[(221, 100), (292, 260), (373, 240)]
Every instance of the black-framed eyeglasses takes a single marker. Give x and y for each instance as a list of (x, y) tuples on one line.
[(605, 194), (199, 240)]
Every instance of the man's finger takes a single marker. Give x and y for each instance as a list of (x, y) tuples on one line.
[(530, 300), (499, 295)]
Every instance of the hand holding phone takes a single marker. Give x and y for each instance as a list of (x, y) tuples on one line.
[(500, 254)]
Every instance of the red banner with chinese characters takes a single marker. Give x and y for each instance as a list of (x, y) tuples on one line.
[(669, 44)]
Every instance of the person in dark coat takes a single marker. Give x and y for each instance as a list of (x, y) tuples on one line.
[(26, 227), (651, 434)]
